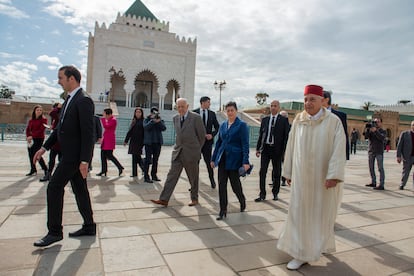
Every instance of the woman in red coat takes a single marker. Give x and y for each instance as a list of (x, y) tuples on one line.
[(35, 135), (108, 142)]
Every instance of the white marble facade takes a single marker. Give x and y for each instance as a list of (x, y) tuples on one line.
[(136, 61)]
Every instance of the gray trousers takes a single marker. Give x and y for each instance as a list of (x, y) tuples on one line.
[(177, 166), (407, 165), (380, 163)]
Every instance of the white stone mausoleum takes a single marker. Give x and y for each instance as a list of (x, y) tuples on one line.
[(136, 61)]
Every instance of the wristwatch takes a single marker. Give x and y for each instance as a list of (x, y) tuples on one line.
[(84, 162)]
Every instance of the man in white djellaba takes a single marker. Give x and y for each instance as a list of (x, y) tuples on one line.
[(314, 166)]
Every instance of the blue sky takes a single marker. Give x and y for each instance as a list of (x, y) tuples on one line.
[(360, 50)]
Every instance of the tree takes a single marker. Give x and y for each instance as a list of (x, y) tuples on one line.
[(367, 105), (261, 98), (5, 92)]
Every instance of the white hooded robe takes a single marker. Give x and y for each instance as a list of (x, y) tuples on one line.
[(314, 153)]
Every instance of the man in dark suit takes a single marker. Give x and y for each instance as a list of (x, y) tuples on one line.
[(271, 145), (189, 139), (210, 121), (327, 102), (405, 153), (75, 133)]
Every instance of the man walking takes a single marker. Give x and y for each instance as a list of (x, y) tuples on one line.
[(354, 140), (405, 152), (327, 103), (75, 135), (271, 145), (212, 126), (189, 139), (314, 166)]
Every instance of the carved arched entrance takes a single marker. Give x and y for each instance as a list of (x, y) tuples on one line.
[(173, 88), (146, 90)]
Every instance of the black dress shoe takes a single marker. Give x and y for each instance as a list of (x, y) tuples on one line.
[(379, 188), (47, 240), (242, 206), (31, 173), (120, 171), (84, 231), (370, 185), (148, 180), (155, 178), (275, 198), (213, 184), (259, 199), (401, 187), (101, 174)]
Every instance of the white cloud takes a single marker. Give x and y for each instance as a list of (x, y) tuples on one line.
[(360, 51), (19, 77), (8, 9), (53, 61)]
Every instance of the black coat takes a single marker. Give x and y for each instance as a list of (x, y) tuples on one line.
[(75, 132), (212, 126), (280, 134), (135, 136)]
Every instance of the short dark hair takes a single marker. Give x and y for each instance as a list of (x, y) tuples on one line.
[(154, 108), (328, 95), (233, 104), (70, 70), (204, 99), (108, 111)]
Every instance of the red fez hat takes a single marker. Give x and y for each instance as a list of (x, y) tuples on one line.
[(313, 89)]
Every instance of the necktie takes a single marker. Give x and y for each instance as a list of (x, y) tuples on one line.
[(182, 121), (64, 107), (270, 134), (204, 117)]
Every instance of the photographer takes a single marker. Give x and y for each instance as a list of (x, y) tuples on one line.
[(153, 126), (376, 139)]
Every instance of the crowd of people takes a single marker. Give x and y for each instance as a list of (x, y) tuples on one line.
[(309, 155)]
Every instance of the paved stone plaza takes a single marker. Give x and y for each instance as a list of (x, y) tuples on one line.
[(374, 230)]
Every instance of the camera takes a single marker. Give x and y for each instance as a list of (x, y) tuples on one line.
[(371, 124), (156, 115)]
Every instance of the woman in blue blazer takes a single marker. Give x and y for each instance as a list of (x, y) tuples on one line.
[(230, 153)]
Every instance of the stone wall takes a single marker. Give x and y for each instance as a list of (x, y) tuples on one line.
[(19, 112)]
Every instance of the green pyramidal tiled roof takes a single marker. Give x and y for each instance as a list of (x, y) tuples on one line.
[(139, 9)]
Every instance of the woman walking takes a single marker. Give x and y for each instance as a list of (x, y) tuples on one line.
[(135, 137), (35, 135), (230, 154), (108, 142)]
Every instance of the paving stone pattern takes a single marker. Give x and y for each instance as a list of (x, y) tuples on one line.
[(374, 229)]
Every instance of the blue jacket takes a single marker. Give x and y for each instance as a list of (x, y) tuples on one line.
[(234, 143), (152, 131)]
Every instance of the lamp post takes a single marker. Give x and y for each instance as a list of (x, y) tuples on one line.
[(220, 86)]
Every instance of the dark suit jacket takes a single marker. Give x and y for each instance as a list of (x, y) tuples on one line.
[(280, 134), (234, 143), (211, 123), (189, 138), (343, 118), (405, 146), (76, 132)]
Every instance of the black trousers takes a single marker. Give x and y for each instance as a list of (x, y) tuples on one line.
[(152, 154), (37, 144), (206, 151), (136, 161), (233, 176), (52, 158), (268, 154), (65, 172), (109, 155), (353, 147)]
